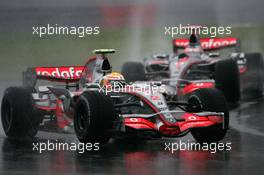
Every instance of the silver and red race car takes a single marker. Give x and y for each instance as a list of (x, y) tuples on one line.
[(99, 104), (194, 65)]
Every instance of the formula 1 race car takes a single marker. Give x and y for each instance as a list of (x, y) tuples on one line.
[(196, 68), (100, 105)]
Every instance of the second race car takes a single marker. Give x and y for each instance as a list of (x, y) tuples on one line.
[(196, 67)]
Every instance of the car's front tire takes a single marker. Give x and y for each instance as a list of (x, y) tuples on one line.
[(252, 78), (94, 117), (210, 100), (227, 79)]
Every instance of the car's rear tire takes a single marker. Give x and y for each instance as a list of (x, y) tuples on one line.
[(94, 117), (227, 79), (19, 116), (210, 100), (133, 71), (252, 79)]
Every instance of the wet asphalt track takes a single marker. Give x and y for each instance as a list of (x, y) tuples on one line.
[(246, 135)]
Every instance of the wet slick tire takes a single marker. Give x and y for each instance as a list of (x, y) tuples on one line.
[(133, 71), (19, 116), (227, 79), (252, 78), (94, 117), (210, 100)]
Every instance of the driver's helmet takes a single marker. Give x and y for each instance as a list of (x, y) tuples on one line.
[(113, 79), (194, 49)]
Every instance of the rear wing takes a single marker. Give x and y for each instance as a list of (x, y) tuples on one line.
[(208, 43), (67, 74)]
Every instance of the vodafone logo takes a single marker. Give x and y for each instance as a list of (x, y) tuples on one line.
[(64, 72), (133, 120), (208, 43), (192, 117), (217, 43)]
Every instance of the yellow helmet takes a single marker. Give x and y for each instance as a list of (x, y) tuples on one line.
[(110, 79)]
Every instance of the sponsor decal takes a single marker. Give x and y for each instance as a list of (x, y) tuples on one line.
[(208, 43), (192, 117), (64, 72), (133, 120)]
